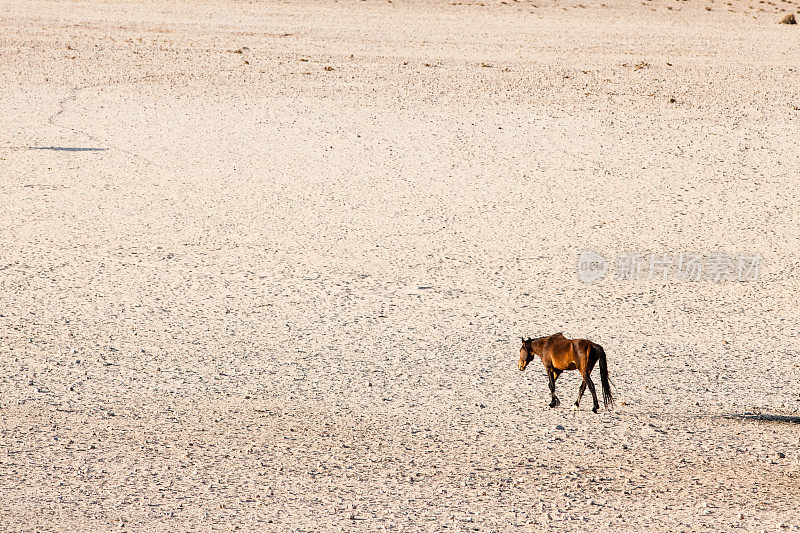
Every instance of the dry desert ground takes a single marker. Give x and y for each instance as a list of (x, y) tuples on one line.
[(265, 265)]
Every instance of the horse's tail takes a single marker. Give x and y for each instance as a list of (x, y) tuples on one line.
[(608, 399)]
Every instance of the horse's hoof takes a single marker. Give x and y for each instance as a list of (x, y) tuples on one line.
[(594, 410), (555, 403)]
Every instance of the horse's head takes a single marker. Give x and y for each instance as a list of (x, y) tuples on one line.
[(526, 353)]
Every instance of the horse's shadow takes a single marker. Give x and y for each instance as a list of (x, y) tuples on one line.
[(67, 148), (766, 417)]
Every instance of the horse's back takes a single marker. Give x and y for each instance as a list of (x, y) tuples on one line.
[(560, 343)]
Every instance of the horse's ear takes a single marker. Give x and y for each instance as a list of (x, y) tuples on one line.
[(523, 340)]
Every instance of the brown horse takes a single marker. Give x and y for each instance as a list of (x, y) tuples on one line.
[(559, 353)]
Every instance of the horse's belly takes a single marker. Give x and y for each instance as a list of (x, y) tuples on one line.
[(571, 366)]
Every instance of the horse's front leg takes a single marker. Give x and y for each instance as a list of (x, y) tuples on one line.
[(552, 374)]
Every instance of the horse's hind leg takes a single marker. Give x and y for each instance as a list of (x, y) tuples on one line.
[(594, 394), (585, 366), (580, 394), (551, 376)]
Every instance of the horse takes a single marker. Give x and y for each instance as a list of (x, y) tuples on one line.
[(559, 353)]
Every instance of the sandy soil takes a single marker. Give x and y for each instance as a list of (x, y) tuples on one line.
[(265, 265)]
